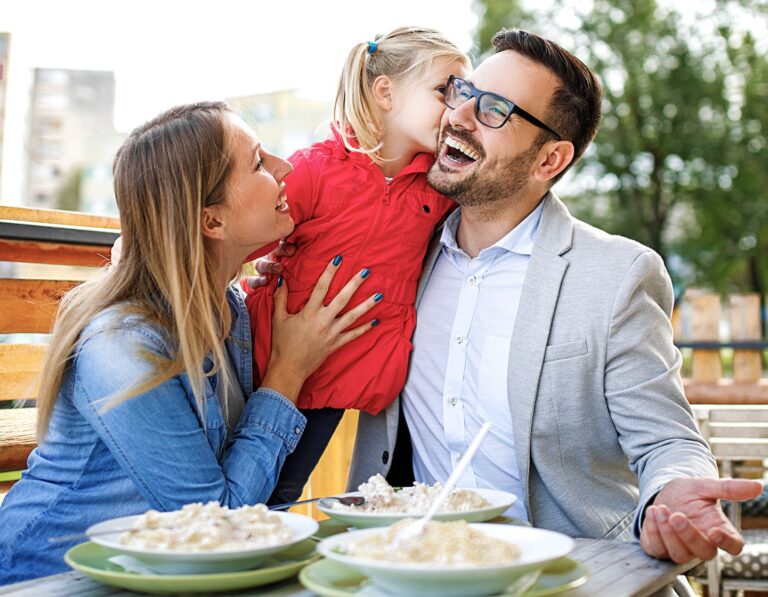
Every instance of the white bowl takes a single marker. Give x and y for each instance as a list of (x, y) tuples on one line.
[(199, 562), (500, 502), (538, 547)]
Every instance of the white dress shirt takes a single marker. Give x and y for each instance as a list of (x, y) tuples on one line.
[(458, 371)]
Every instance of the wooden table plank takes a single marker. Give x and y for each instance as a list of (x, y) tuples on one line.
[(616, 570)]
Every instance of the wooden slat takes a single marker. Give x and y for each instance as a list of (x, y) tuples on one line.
[(19, 367), (739, 414), (739, 430), (724, 391), (54, 253), (746, 325), (17, 437), (59, 217), (29, 306), (738, 449), (707, 366)]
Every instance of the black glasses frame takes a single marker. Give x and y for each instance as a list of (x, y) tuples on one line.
[(513, 107)]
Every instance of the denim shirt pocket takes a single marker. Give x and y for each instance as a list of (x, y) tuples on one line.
[(214, 423)]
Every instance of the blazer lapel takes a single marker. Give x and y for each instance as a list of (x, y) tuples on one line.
[(535, 312)]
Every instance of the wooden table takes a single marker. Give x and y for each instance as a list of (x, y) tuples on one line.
[(616, 570)]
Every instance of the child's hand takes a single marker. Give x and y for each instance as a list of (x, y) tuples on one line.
[(267, 267), (302, 342)]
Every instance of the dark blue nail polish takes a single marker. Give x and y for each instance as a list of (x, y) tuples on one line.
[(279, 281), (378, 297), (337, 260), (365, 272), (374, 323)]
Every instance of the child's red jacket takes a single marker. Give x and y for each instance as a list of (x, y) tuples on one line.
[(342, 205)]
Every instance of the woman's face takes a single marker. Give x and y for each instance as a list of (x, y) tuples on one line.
[(255, 212)]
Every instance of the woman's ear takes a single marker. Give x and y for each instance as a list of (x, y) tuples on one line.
[(212, 222), (382, 92)]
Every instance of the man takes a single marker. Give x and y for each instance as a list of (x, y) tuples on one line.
[(554, 331)]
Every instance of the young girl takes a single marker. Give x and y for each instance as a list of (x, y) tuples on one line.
[(361, 198)]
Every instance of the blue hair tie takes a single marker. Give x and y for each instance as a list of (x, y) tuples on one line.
[(373, 47)]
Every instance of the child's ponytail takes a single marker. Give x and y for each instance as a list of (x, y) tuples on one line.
[(354, 111)]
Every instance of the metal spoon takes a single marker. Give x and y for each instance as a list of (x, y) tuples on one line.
[(345, 500)]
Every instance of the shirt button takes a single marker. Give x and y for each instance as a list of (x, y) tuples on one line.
[(452, 400), (459, 339), (246, 350), (471, 280), (297, 430)]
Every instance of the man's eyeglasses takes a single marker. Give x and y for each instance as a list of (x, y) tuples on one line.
[(490, 109)]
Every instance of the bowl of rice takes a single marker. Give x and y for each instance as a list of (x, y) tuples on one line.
[(203, 538), (385, 505), (448, 558)]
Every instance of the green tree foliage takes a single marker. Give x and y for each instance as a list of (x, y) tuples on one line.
[(679, 163)]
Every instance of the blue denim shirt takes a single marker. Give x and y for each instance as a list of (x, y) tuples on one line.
[(151, 451)]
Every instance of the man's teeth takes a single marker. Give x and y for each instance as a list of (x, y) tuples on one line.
[(466, 150)]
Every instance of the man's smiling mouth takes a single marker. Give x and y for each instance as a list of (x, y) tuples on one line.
[(459, 152)]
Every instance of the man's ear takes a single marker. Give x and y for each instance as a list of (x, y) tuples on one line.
[(554, 158), (212, 222), (382, 92)]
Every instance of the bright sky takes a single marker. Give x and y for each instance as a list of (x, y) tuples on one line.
[(166, 52)]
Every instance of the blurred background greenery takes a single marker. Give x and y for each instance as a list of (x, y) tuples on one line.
[(680, 162)]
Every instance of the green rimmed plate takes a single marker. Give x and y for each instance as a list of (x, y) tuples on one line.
[(330, 579), (92, 560)]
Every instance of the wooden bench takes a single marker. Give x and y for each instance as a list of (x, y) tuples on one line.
[(52, 251)]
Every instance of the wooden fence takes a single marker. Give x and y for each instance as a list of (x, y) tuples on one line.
[(714, 328)]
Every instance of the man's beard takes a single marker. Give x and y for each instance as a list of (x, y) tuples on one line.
[(493, 182)]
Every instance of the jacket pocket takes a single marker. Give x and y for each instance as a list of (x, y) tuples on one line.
[(622, 529), (566, 350)]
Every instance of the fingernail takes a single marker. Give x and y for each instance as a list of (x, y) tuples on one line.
[(365, 272), (337, 260), (279, 281), (661, 516), (378, 297), (374, 323), (678, 524)]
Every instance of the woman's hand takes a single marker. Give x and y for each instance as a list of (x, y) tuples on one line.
[(301, 342), (267, 267)]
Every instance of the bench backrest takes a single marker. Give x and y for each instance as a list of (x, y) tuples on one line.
[(47, 253)]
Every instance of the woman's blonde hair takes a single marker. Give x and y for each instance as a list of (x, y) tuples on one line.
[(164, 174), (404, 53)]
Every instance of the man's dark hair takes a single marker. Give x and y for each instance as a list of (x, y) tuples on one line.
[(574, 109)]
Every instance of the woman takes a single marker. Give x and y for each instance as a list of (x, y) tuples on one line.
[(146, 399)]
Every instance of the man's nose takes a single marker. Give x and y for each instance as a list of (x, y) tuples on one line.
[(463, 116)]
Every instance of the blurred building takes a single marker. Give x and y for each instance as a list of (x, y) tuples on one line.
[(5, 43), (71, 136), (284, 120)]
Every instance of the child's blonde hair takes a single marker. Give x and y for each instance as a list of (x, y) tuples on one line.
[(403, 53)]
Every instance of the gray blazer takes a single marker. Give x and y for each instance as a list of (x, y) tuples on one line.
[(598, 411)]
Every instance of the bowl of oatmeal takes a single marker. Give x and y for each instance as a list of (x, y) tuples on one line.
[(385, 505), (203, 538), (448, 558)]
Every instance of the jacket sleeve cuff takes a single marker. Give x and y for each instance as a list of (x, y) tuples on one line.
[(272, 412)]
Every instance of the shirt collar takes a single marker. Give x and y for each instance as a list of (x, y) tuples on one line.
[(518, 240)]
